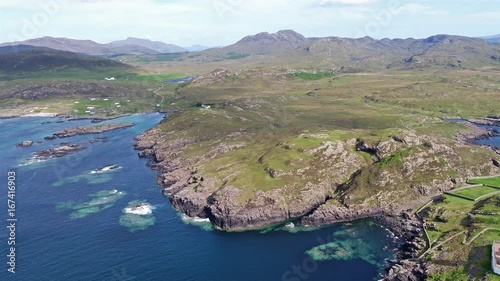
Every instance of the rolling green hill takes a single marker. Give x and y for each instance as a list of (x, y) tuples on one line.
[(33, 62), (87, 47)]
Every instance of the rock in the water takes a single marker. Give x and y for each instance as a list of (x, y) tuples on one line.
[(25, 144), (85, 130), (60, 151)]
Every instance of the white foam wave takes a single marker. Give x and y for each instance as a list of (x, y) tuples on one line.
[(106, 169), (139, 209), (189, 219), (34, 160)]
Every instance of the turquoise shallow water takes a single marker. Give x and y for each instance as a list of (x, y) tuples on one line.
[(71, 224)]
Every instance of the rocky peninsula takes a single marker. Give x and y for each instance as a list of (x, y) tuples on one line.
[(402, 172), (335, 180), (85, 130)]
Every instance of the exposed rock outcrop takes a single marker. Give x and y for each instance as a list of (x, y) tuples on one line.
[(231, 208), (409, 228), (410, 169), (490, 120), (62, 150), (85, 130), (475, 132), (414, 168), (25, 144), (406, 271), (331, 213)]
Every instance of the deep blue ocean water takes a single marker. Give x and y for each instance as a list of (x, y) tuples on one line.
[(62, 235)]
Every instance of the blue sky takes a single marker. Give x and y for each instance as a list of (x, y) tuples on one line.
[(223, 22)]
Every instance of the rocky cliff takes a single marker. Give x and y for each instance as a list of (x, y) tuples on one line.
[(336, 183), (232, 208)]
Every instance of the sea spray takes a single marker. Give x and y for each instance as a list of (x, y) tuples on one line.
[(203, 223), (138, 216)]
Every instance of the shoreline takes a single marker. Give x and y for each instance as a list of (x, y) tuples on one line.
[(479, 132)]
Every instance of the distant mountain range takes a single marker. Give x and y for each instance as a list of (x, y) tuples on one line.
[(494, 39), (287, 47), (290, 47), (88, 47), (156, 46), (197, 48)]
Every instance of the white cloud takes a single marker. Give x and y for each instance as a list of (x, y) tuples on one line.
[(345, 2), (420, 9)]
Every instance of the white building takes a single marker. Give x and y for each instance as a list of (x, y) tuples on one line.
[(495, 259)]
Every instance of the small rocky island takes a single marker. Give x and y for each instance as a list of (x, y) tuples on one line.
[(62, 150), (26, 143), (86, 130)]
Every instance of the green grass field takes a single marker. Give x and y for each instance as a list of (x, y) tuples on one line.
[(491, 181), (476, 192), (454, 215)]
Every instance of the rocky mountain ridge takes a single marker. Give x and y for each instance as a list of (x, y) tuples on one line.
[(363, 53), (89, 47)]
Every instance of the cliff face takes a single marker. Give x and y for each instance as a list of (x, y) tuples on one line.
[(329, 213), (335, 181), (233, 208)]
